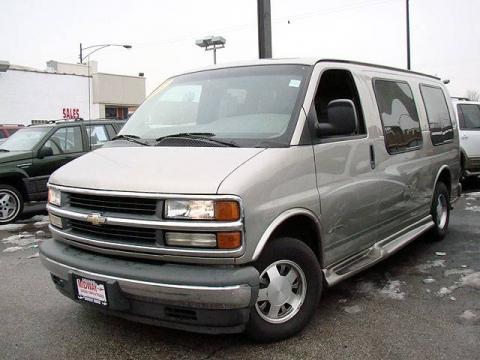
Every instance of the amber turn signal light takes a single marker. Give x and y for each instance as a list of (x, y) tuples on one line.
[(229, 240), (227, 210)]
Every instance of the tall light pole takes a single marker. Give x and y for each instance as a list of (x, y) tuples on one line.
[(264, 29), (212, 43), (83, 57), (96, 48), (408, 35)]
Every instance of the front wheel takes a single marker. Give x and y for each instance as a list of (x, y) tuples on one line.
[(11, 204), (440, 211), (289, 290)]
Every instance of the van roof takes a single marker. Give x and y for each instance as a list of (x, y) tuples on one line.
[(310, 62)]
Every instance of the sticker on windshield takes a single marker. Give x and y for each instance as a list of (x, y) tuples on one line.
[(294, 83)]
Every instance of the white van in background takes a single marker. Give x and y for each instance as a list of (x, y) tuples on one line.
[(468, 115)]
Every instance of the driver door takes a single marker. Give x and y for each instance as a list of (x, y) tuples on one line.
[(66, 144)]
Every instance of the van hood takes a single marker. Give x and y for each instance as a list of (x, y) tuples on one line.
[(6, 157), (181, 170)]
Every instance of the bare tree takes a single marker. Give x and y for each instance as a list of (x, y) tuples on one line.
[(473, 95)]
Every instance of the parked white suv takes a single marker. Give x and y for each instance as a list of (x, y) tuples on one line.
[(468, 115)]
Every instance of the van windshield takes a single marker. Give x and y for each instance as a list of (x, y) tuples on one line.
[(25, 139), (249, 105)]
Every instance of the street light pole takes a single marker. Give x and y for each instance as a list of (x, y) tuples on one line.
[(264, 29), (81, 57), (212, 43), (408, 35), (96, 48)]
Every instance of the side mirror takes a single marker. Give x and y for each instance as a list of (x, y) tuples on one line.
[(44, 152), (342, 119)]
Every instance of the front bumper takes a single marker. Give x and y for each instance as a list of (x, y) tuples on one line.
[(189, 297)]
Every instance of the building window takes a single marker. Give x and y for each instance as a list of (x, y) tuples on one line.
[(116, 112), (399, 116), (439, 121)]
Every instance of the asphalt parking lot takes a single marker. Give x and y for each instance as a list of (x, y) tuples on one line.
[(423, 302)]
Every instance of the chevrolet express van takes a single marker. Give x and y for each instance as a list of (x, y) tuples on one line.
[(234, 195)]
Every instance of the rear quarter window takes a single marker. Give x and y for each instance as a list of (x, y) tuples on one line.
[(438, 115)]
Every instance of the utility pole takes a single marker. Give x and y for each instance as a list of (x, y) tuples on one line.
[(264, 29), (408, 35)]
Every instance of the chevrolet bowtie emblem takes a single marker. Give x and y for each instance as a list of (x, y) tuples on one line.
[(96, 219)]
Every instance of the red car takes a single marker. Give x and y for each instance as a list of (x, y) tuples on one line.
[(7, 130)]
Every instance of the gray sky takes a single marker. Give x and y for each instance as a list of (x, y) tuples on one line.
[(445, 34)]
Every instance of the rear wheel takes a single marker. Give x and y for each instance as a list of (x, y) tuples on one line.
[(289, 290), (11, 204), (440, 211)]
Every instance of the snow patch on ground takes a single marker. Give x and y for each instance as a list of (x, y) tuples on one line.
[(35, 219), (473, 208), (12, 249), (22, 239), (429, 280), (444, 291), (12, 227), (431, 264), (365, 287), (40, 224), (471, 280), (449, 272), (474, 193), (392, 290), (352, 309), (469, 315)]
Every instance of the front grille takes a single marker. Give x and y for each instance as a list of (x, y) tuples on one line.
[(129, 205), (127, 234)]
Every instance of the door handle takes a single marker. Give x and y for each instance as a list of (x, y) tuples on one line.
[(372, 157), (464, 137)]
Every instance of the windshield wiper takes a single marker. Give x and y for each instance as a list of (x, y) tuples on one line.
[(4, 150), (131, 138), (198, 136)]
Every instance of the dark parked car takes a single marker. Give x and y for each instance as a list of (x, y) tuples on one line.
[(32, 154), (7, 130)]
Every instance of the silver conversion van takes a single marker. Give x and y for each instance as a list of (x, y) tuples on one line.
[(235, 194)]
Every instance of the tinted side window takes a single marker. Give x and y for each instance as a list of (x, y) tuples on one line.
[(399, 115), (439, 121), (469, 115), (1, 134), (66, 140)]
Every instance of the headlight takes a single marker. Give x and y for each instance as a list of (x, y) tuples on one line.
[(222, 210), (54, 197)]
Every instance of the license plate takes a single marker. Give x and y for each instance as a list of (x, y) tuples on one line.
[(92, 291)]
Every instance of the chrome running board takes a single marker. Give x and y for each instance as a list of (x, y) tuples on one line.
[(377, 252)]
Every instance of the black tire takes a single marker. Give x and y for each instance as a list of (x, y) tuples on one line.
[(441, 194), (293, 251), (15, 199)]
